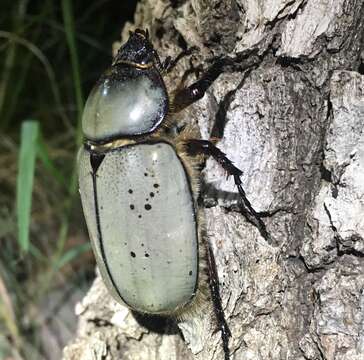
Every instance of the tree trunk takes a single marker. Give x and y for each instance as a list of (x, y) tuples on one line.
[(293, 122)]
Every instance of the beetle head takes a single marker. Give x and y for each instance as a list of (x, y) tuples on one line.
[(137, 51)]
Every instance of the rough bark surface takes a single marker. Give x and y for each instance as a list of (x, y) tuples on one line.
[(294, 123)]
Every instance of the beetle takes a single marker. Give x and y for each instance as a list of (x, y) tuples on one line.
[(139, 182)]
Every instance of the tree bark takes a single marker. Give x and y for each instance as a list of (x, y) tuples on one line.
[(294, 123)]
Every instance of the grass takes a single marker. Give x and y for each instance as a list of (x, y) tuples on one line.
[(51, 55), (25, 178)]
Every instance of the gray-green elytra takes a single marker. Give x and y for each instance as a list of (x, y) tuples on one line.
[(139, 185)]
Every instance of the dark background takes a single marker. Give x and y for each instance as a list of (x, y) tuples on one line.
[(44, 78)]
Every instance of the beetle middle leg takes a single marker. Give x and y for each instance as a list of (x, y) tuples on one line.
[(196, 146)]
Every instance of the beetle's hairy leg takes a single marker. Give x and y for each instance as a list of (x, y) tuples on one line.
[(197, 146), (216, 299), (188, 95)]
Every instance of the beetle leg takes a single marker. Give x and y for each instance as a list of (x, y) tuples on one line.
[(215, 293), (196, 91), (169, 63), (182, 82), (187, 96), (196, 146)]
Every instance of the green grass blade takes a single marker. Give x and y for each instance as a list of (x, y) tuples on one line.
[(17, 13), (69, 255), (43, 155), (26, 166), (37, 254), (42, 58), (69, 27)]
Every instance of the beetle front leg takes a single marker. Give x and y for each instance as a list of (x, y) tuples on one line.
[(187, 96), (197, 146), (168, 64)]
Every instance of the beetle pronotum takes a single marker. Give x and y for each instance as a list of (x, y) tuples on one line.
[(139, 185)]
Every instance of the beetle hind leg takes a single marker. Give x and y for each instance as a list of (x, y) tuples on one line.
[(216, 299)]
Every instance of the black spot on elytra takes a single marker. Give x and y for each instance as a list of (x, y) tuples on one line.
[(125, 243), (145, 174), (132, 207), (139, 216), (151, 194), (132, 253), (146, 255), (142, 244), (147, 207), (156, 186), (130, 191), (190, 273)]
